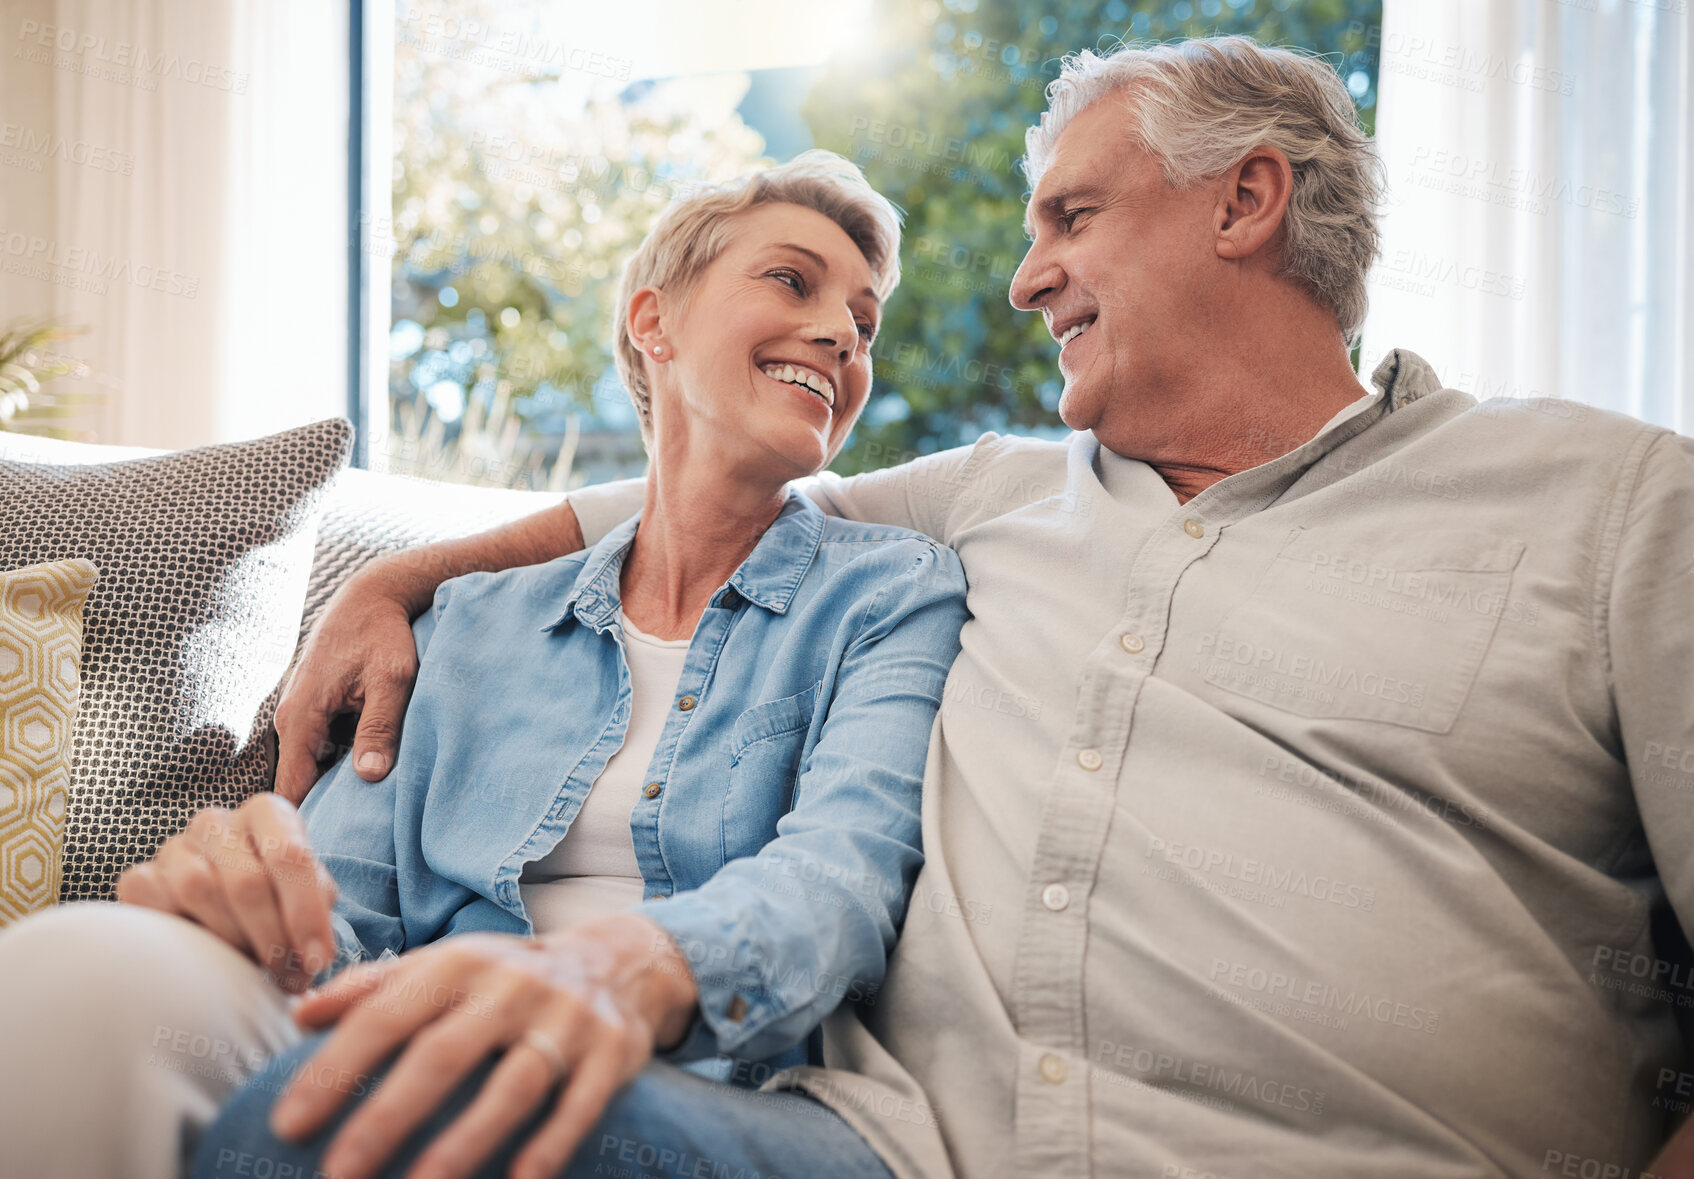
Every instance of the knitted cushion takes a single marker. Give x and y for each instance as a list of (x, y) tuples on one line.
[(203, 558)]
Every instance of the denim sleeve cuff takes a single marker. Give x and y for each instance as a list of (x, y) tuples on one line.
[(348, 950), (733, 1005)]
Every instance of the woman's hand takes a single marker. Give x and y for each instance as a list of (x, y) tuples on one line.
[(249, 876), (360, 658), (598, 997)]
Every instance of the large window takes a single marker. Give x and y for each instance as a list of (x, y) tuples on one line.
[(531, 153)]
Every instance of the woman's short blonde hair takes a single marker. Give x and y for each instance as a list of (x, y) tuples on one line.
[(689, 236)]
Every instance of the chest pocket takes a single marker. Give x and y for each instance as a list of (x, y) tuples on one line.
[(768, 743), (1345, 627)]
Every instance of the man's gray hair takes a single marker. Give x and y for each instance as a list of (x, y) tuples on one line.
[(1199, 106)]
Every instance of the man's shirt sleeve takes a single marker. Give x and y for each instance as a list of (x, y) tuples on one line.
[(920, 495), (1649, 621), (777, 940)]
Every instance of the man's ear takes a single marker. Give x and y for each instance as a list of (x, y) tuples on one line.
[(645, 318), (1252, 199)]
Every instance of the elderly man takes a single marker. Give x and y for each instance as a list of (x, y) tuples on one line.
[(1316, 774)]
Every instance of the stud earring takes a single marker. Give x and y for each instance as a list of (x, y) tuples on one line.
[(658, 349)]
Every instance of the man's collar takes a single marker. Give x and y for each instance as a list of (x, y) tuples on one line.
[(769, 577), (1404, 376)]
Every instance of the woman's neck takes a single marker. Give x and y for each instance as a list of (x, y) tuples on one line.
[(696, 528)]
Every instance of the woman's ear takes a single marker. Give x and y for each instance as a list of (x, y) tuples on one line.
[(646, 326), (1253, 196)]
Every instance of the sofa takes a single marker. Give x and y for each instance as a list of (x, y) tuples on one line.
[(210, 566)]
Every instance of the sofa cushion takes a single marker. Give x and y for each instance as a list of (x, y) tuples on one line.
[(40, 654), (204, 556), (369, 513)]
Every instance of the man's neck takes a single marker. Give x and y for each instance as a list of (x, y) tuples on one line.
[(1243, 413)]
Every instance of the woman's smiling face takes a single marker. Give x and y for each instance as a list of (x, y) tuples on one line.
[(768, 359)]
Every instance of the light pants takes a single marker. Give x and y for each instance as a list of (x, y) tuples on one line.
[(124, 1033)]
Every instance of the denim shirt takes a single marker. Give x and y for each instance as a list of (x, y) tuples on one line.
[(778, 835)]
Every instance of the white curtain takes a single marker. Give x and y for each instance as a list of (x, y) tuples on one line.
[(1539, 237), (174, 179)]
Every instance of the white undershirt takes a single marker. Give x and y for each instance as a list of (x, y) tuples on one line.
[(593, 871)]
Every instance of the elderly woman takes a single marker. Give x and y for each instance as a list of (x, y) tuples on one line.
[(657, 797)]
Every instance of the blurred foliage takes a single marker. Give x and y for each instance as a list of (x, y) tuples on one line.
[(935, 112), (513, 211), (34, 398)]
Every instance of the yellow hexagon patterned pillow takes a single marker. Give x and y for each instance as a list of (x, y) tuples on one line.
[(40, 681)]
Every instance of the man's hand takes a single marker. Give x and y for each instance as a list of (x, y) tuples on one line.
[(360, 659), (1676, 1161), (599, 996), (250, 877)]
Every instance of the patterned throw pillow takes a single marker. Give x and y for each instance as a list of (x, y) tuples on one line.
[(203, 557), (40, 646)]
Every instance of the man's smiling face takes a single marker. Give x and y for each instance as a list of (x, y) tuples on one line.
[(1120, 266)]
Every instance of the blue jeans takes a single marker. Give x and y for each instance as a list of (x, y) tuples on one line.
[(666, 1124)]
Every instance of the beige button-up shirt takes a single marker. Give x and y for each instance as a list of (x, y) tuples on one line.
[(1319, 826)]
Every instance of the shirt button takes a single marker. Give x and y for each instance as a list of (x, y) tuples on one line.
[(1090, 760), (686, 703), (1052, 1069), (1055, 897), (652, 790), (737, 1009), (1193, 528), (1133, 644)]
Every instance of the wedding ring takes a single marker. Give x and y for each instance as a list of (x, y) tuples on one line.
[(543, 1043)]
